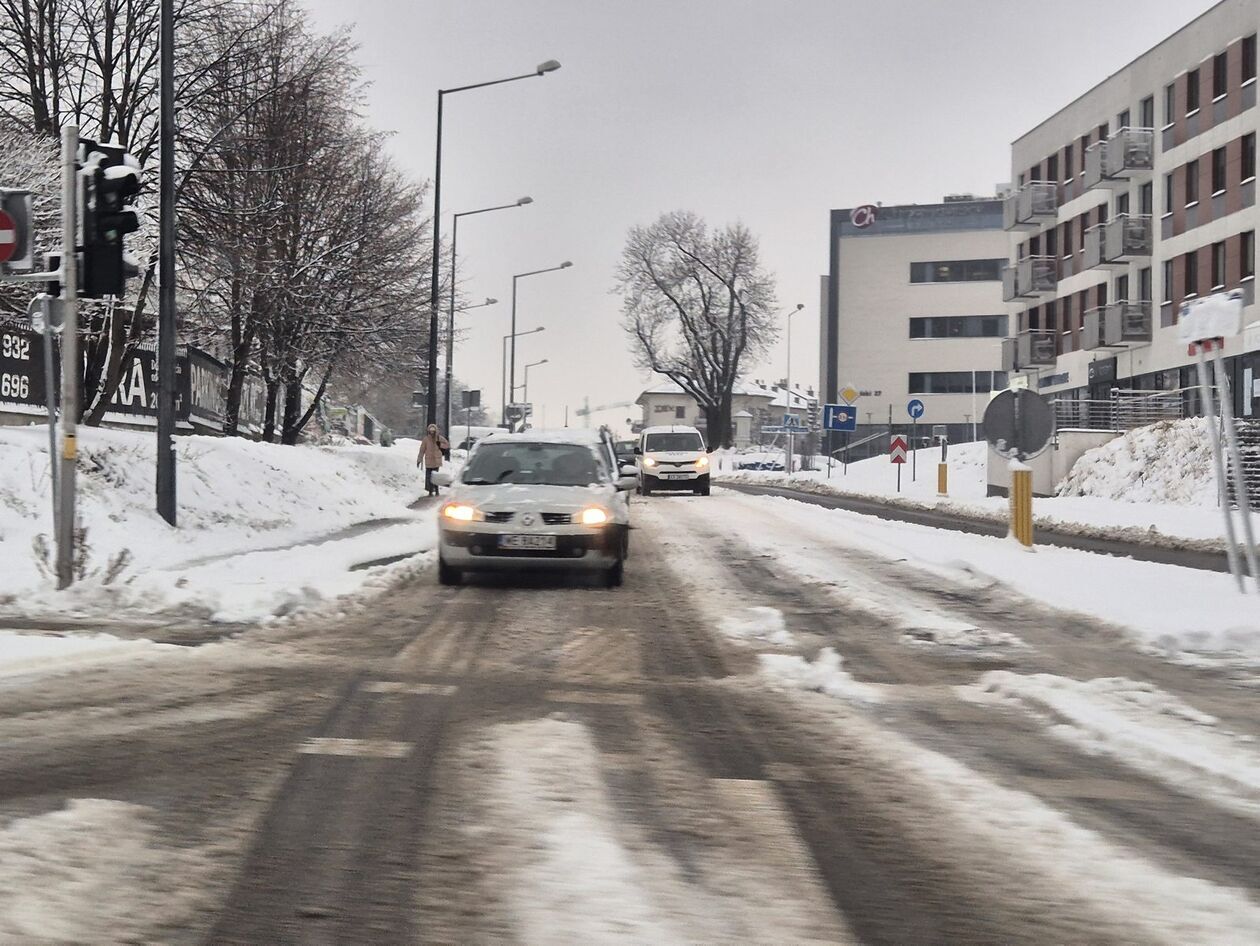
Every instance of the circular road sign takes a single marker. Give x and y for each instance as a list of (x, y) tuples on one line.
[(862, 217), (915, 408), (1019, 424), (8, 237)]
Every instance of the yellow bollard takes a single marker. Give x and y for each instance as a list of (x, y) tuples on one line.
[(1021, 504), (942, 479)]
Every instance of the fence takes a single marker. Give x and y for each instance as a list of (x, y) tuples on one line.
[(1124, 410)]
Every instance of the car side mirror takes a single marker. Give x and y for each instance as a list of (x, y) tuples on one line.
[(627, 481), (628, 469), (638, 451), (441, 479)]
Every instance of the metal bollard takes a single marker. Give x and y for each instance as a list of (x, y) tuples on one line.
[(1021, 504), (942, 479)]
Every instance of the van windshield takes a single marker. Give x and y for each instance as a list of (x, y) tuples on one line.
[(668, 443)]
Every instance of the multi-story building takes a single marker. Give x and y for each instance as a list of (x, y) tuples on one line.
[(1130, 200), (912, 308)]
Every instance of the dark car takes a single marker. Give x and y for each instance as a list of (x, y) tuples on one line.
[(625, 451)]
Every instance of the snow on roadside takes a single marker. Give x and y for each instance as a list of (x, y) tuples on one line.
[(826, 674), (28, 653), (92, 872), (1139, 725), (757, 624), (236, 498), (1168, 462)]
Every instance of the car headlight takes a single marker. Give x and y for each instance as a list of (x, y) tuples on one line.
[(594, 516), (461, 512), (702, 463), (648, 461)]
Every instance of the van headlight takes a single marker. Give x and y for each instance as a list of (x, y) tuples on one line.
[(702, 463), (461, 512), (594, 516), (648, 461)]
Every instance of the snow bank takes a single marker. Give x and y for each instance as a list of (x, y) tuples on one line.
[(757, 623), (236, 498), (1167, 462), (826, 675), (26, 653)]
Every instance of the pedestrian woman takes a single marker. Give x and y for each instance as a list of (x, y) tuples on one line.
[(433, 449)]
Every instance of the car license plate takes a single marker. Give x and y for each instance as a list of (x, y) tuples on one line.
[(538, 543), (677, 476)]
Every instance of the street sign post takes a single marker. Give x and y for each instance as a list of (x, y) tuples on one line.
[(1018, 425), (915, 409), (897, 450)]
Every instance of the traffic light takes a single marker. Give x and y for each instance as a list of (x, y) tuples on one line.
[(111, 181)]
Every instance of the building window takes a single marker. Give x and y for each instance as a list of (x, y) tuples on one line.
[(1122, 288), (1218, 171), (1122, 120), (1218, 266), (1248, 162), (967, 270), (1192, 273), (1192, 183), (1067, 163), (1146, 199), (956, 382), (1168, 192), (1249, 58), (1084, 148), (1144, 284), (1247, 252), (1170, 103), (1220, 75), (1192, 91), (1122, 203), (959, 326), (1147, 112), (1168, 280)]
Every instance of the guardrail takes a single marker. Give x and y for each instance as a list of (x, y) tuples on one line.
[(1124, 410)]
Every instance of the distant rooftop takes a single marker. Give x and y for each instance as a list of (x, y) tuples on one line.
[(956, 212)]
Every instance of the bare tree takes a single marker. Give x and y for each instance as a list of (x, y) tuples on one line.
[(697, 304)]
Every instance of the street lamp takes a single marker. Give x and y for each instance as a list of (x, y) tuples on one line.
[(513, 336), (512, 369), (434, 304), (787, 437), (450, 324), (525, 386)]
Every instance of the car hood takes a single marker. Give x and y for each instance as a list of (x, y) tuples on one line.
[(675, 456), (520, 498)]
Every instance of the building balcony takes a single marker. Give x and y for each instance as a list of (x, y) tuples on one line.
[(1009, 356), (1031, 276), (1121, 240), (1123, 324), (1092, 329), (1032, 206), (1126, 156), (1035, 348)]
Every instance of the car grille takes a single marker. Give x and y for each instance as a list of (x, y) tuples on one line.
[(557, 518), (499, 516)]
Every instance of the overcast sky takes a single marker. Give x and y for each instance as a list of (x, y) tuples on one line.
[(766, 111)]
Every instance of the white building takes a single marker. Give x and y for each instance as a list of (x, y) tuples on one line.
[(1133, 198), (753, 405), (912, 308)]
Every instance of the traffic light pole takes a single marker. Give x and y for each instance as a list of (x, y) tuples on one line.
[(70, 367), (166, 272)]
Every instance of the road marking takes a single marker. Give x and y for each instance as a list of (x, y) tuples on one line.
[(411, 689), (597, 697), (366, 748)]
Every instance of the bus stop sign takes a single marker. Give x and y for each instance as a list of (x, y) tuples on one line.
[(1019, 423)]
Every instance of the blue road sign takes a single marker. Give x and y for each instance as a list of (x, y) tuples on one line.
[(842, 417), (915, 408)]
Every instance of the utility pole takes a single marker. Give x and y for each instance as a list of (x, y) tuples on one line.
[(70, 369), (166, 271)]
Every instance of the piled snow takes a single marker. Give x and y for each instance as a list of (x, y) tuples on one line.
[(825, 675), (1137, 724), (1167, 462), (26, 653), (235, 497), (757, 623)]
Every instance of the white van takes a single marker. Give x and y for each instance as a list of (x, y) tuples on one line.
[(672, 457)]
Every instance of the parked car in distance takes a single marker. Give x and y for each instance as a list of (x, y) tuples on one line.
[(535, 500), (672, 458)]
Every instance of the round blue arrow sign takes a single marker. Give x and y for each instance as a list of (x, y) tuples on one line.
[(915, 408)]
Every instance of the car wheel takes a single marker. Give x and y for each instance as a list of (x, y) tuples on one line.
[(645, 490), (616, 574), (703, 490), (447, 574)]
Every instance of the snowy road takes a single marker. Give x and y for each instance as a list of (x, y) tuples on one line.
[(791, 725)]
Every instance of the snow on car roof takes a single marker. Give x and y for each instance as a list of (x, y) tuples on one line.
[(577, 435), (671, 429)]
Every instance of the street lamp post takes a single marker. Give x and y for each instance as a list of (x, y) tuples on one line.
[(513, 336), (787, 437), (525, 386), (434, 302), (450, 324), (511, 388)]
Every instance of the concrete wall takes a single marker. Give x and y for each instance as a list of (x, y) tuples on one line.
[(1052, 465)]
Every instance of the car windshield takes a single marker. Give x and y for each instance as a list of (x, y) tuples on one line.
[(543, 464), (673, 441), (625, 448)]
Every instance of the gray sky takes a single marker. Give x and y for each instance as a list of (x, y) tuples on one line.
[(766, 111)]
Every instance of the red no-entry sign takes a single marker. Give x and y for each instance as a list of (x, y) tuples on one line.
[(8, 237)]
